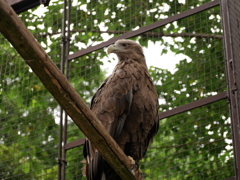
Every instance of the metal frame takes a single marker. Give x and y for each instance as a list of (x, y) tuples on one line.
[(144, 29), (23, 5), (232, 93), (193, 105), (62, 163), (169, 113)]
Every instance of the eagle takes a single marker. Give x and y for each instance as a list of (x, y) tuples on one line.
[(127, 105)]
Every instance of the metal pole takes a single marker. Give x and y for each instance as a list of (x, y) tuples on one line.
[(63, 60), (67, 75), (60, 146), (229, 20)]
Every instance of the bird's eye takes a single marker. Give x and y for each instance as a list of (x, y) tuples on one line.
[(124, 44)]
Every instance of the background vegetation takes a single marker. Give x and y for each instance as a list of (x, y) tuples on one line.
[(192, 145)]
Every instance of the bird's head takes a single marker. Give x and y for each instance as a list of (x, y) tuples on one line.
[(125, 49)]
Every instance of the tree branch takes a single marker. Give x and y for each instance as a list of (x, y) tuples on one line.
[(24, 42)]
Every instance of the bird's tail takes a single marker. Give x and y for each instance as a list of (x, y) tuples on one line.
[(93, 169), (96, 167)]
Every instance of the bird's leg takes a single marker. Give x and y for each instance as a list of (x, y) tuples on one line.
[(135, 168)]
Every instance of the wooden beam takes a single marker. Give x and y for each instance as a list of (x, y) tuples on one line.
[(33, 54)]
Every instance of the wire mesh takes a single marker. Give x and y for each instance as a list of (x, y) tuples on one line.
[(86, 76), (29, 114), (192, 145), (200, 72), (190, 37), (93, 20), (231, 24), (235, 8), (74, 158)]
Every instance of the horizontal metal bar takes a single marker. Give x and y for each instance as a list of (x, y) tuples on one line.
[(146, 28), (74, 144), (177, 110), (193, 105), (231, 178)]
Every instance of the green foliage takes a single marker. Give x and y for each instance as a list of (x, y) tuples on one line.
[(28, 130), (192, 145)]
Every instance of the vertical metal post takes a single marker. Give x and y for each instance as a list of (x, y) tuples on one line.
[(61, 160), (60, 145), (230, 40), (67, 75)]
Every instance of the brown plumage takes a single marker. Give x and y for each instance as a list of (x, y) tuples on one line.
[(127, 105)]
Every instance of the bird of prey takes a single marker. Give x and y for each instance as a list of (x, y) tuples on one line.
[(127, 105)]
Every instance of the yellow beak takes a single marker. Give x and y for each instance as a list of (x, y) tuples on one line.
[(111, 48)]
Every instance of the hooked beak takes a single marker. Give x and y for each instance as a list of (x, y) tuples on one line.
[(111, 48)]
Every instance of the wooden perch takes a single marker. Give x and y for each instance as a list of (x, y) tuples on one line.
[(24, 42)]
